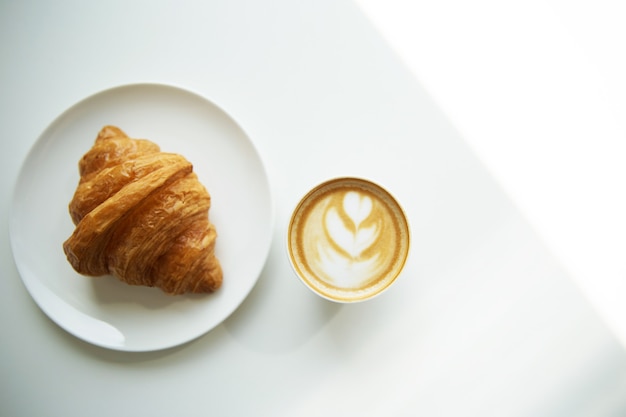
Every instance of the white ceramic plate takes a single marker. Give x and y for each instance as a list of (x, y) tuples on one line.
[(103, 310)]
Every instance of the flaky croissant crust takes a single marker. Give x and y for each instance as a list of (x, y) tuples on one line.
[(142, 216)]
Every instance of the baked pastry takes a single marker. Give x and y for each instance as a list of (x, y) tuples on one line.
[(142, 215)]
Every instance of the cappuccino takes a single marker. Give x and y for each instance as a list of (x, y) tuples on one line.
[(348, 239)]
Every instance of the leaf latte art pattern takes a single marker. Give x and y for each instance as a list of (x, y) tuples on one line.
[(348, 250), (352, 238)]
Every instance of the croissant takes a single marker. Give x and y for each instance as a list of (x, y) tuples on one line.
[(142, 216)]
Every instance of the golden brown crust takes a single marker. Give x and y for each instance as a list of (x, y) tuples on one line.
[(142, 216)]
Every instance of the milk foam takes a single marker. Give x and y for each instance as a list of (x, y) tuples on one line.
[(341, 250)]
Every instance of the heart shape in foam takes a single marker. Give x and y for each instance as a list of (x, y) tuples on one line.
[(357, 207)]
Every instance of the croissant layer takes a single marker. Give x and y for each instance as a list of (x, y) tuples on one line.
[(142, 216)]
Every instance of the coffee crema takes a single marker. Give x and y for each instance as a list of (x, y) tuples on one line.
[(348, 239)]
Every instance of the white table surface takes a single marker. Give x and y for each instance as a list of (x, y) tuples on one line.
[(537, 88), (491, 316)]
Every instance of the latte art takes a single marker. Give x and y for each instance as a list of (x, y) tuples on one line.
[(353, 237), (348, 239), (346, 254)]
